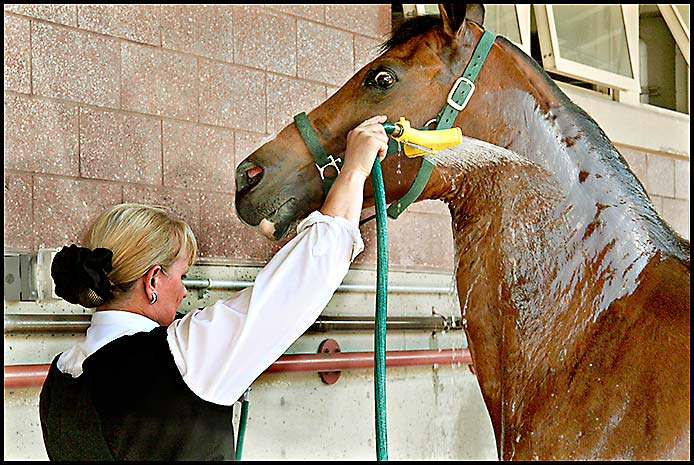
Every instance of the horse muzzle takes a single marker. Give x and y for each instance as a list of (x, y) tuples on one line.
[(273, 198)]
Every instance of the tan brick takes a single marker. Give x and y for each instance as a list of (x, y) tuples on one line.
[(56, 13), (265, 40), (313, 12), (682, 172), (198, 157), (416, 241), (223, 236), (18, 207), (159, 82), (325, 54), (199, 29), (369, 20), (637, 162), (661, 175), (17, 54), (75, 65), (232, 96), (65, 207), (287, 97), (120, 147), (430, 206), (657, 202), (41, 135), (676, 213), (365, 51), (246, 143), (139, 23), (368, 258), (421, 241), (184, 204)]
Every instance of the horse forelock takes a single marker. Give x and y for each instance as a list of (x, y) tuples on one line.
[(409, 28)]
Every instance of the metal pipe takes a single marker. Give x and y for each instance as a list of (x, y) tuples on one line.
[(339, 361), (24, 376), (236, 285), (46, 324), (36, 323)]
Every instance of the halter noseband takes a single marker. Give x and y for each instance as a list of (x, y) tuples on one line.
[(457, 100)]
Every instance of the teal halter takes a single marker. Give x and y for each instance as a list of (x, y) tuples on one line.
[(457, 99)]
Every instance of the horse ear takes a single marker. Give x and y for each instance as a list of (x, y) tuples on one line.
[(454, 15), (475, 12)]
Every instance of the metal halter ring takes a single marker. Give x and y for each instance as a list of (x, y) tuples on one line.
[(333, 162)]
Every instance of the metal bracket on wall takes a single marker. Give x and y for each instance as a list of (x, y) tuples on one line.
[(28, 276), (329, 346), (20, 277)]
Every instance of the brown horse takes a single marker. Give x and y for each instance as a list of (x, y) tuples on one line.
[(574, 292)]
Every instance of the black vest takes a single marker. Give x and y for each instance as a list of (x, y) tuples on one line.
[(131, 403)]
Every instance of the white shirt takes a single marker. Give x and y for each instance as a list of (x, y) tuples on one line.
[(221, 349)]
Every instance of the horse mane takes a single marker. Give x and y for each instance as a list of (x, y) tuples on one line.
[(418, 25), (609, 155), (409, 28)]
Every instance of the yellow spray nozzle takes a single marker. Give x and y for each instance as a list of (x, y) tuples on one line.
[(418, 142)]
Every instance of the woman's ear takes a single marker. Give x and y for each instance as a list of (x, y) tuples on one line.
[(151, 277)]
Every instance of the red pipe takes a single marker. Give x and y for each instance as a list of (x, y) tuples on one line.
[(22, 376), (349, 360)]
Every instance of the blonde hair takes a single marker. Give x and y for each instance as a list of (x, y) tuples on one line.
[(140, 236)]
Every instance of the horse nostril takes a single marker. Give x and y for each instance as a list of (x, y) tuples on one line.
[(248, 174), (253, 172)]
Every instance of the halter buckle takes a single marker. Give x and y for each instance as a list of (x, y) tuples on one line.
[(468, 94), (333, 162)]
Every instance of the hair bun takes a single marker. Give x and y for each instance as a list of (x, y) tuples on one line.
[(79, 275)]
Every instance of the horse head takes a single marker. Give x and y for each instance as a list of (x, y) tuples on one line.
[(278, 184)]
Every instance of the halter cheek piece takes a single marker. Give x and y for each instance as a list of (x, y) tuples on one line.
[(457, 100)]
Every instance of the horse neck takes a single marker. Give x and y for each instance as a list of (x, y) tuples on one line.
[(563, 180), (545, 240)]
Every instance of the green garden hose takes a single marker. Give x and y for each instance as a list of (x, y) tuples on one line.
[(242, 426), (381, 312)]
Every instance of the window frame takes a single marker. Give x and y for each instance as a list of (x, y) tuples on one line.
[(678, 29), (522, 16), (553, 61)]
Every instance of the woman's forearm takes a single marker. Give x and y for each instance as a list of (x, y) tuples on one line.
[(346, 196), (364, 144)]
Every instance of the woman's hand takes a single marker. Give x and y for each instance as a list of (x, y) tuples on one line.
[(364, 143)]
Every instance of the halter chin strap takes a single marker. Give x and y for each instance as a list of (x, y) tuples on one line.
[(323, 160), (457, 100)]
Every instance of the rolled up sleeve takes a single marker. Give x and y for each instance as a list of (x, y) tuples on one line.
[(220, 350)]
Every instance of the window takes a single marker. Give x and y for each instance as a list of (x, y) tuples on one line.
[(590, 42), (508, 20), (630, 52), (663, 67)]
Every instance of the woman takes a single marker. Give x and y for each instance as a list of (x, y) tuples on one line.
[(143, 385)]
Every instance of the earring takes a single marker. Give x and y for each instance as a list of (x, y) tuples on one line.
[(154, 298)]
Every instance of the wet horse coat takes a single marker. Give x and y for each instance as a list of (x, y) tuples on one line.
[(574, 292)]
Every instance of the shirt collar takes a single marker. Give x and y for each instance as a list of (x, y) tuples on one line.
[(133, 321)]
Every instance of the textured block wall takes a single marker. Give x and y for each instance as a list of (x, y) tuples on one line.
[(158, 103)]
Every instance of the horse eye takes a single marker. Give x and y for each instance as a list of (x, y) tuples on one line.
[(383, 79)]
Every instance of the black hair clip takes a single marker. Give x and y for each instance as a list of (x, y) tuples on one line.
[(78, 270)]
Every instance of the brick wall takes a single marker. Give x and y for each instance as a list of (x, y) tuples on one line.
[(158, 103), (666, 179)]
